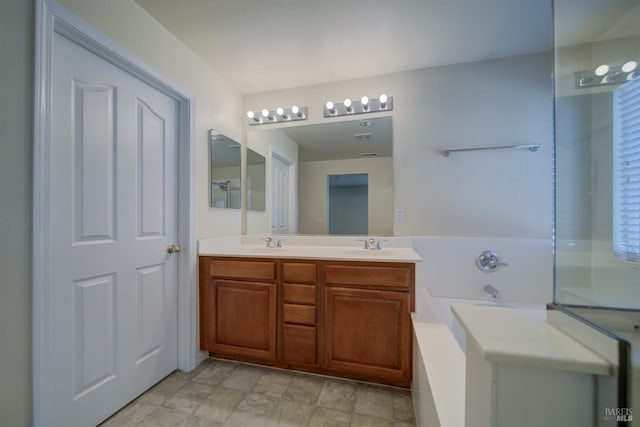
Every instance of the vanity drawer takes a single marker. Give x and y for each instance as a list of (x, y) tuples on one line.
[(297, 272), (300, 344), (301, 294), (238, 269), (303, 314), (400, 276)]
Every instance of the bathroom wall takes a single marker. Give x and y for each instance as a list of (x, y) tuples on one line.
[(448, 268), (16, 123), (313, 194), (485, 194), (218, 104)]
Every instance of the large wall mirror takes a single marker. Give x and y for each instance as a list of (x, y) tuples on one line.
[(330, 178), (225, 174)]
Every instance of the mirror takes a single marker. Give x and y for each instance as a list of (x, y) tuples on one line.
[(319, 171), (225, 173), (256, 181)]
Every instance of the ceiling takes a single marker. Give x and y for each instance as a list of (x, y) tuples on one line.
[(338, 140), (264, 45)]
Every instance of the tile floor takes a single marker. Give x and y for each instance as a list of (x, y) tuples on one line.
[(220, 393)]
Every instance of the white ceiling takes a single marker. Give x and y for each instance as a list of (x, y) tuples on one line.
[(336, 140), (263, 45)]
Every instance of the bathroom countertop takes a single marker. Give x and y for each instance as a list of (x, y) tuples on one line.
[(335, 253), (523, 337)]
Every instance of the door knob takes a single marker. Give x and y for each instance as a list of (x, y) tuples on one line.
[(173, 249)]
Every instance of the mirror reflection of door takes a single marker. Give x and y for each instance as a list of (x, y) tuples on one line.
[(348, 203), (279, 195)]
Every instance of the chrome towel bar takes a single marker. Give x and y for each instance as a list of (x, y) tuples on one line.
[(530, 147)]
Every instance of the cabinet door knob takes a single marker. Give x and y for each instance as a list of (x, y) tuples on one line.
[(173, 249)]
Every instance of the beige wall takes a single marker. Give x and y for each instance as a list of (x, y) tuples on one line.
[(218, 104), (313, 192), (16, 121), (499, 102)]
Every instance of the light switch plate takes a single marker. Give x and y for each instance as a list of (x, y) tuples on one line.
[(399, 217)]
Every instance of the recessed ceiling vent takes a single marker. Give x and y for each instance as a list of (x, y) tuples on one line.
[(362, 136)]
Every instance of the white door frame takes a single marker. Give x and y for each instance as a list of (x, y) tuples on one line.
[(293, 189), (52, 18)]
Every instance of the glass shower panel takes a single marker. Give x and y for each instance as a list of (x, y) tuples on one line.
[(597, 174)]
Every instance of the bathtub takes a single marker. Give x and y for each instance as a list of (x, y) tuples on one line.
[(439, 364)]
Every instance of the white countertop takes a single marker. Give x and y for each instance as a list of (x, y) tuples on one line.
[(335, 253), (523, 337)]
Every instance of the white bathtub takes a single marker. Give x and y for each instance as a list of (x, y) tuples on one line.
[(439, 359)]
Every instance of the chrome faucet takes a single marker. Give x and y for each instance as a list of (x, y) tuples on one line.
[(372, 244), (495, 294), (272, 243), (489, 261)]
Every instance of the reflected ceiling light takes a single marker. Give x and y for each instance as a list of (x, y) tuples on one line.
[(606, 75), (364, 105), (278, 115), (629, 66)]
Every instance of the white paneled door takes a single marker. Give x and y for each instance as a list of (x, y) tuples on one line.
[(113, 200)]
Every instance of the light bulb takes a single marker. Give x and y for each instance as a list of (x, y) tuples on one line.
[(347, 102), (280, 111), (602, 70), (265, 113), (295, 109), (383, 101), (364, 100), (251, 114), (629, 66), (330, 106)]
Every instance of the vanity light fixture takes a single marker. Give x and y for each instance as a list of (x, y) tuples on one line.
[(364, 105), (252, 117), (347, 105), (298, 113), (607, 75), (329, 108), (279, 115)]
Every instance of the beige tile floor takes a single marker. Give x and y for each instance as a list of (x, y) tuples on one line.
[(220, 393)]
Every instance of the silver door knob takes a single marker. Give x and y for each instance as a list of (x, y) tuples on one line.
[(173, 249)]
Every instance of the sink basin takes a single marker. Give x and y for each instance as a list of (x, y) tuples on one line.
[(264, 250), (369, 252)]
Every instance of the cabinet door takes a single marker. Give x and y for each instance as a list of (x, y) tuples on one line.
[(368, 333), (243, 318)]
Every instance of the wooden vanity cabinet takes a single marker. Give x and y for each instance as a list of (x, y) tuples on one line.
[(238, 308), (367, 321), (349, 319), (300, 313)]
